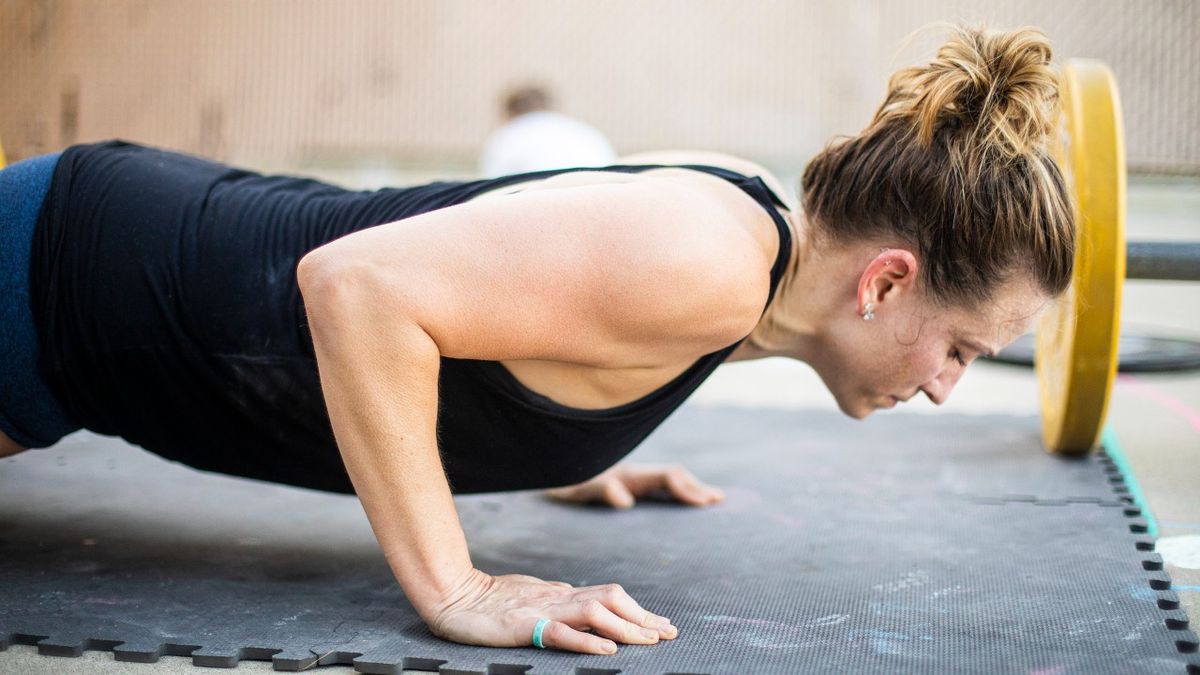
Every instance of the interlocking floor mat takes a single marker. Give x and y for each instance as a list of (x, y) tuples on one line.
[(908, 543)]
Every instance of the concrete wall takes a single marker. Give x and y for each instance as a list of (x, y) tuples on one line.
[(308, 81)]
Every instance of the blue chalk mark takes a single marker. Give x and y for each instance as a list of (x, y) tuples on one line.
[(1186, 589), (887, 635), (1113, 446), (883, 647), (1143, 593), (878, 608), (882, 641)]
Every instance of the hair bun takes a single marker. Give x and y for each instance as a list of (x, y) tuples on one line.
[(998, 85)]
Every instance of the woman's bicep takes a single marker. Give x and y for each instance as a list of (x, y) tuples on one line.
[(578, 273)]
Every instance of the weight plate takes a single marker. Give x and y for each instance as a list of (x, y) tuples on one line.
[(1077, 337)]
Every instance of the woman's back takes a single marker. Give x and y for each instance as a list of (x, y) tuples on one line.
[(166, 298)]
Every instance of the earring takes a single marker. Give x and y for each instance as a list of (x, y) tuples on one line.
[(868, 312)]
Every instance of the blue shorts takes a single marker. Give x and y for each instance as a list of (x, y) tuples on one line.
[(29, 413)]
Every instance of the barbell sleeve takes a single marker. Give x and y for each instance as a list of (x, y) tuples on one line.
[(1163, 260)]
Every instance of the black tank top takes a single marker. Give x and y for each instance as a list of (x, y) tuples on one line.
[(168, 313)]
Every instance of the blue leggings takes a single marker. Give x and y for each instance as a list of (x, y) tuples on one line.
[(29, 413)]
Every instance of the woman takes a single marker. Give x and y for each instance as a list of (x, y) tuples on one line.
[(530, 331)]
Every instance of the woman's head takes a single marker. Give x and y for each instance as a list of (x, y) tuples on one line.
[(955, 163), (953, 195)]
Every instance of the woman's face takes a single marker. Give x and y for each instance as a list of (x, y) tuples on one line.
[(911, 345)]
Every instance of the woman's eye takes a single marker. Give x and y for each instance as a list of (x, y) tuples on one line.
[(958, 357)]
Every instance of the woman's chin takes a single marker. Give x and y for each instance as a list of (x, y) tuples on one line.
[(864, 407), (859, 411)]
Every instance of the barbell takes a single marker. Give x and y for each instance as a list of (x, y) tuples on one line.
[(1076, 352)]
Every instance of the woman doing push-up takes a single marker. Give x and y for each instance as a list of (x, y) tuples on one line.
[(527, 331)]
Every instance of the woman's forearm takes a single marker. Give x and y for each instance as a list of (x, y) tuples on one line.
[(379, 375)]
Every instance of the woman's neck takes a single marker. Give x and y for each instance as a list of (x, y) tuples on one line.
[(791, 325)]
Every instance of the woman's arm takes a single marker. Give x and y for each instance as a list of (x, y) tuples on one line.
[(610, 275), (380, 386)]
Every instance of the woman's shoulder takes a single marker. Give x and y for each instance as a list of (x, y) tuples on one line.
[(708, 192), (690, 219)]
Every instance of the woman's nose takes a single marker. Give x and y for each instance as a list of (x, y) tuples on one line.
[(938, 389)]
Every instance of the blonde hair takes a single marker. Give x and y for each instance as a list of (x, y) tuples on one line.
[(956, 162)]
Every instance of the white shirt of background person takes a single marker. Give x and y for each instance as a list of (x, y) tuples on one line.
[(543, 139)]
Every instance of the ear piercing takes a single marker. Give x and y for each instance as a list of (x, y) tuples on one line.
[(868, 312)]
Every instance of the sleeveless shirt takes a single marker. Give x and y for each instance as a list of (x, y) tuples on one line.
[(168, 313)]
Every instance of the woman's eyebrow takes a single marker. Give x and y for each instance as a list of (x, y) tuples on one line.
[(979, 348)]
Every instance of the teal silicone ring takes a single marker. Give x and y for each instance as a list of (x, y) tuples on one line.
[(537, 633)]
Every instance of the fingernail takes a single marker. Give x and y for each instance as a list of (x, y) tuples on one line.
[(611, 648), (663, 623), (651, 634)]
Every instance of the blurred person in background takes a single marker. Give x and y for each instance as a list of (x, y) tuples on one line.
[(536, 138)]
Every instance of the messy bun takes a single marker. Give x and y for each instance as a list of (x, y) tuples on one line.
[(999, 85), (956, 162)]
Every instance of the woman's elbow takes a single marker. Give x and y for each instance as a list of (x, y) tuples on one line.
[(314, 271), (325, 278), (354, 297)]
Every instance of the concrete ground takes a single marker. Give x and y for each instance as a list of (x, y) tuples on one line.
[(1155, 417)]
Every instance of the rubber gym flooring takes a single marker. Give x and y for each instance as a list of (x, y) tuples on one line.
[(1081, 549), (918, 543)]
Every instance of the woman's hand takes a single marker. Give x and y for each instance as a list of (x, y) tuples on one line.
[(621, 485), (502, 611)]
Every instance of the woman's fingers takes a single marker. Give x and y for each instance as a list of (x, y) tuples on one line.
[(616, 494), (594, 615), (623, 605), (607, 489), (587, 491), (688, 489), (558, 635), (680, 483), (621, 485)]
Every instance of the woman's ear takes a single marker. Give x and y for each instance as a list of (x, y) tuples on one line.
[(888, 276)]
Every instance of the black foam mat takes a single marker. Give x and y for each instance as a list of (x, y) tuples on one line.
[(906, 543)]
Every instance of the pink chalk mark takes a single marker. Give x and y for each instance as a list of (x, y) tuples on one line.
[(1056, 670), (1150, 393), (108, 601)]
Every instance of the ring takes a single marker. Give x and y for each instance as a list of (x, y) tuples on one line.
[(537, 633)]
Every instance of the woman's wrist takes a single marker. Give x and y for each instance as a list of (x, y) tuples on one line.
[(433, 601)]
